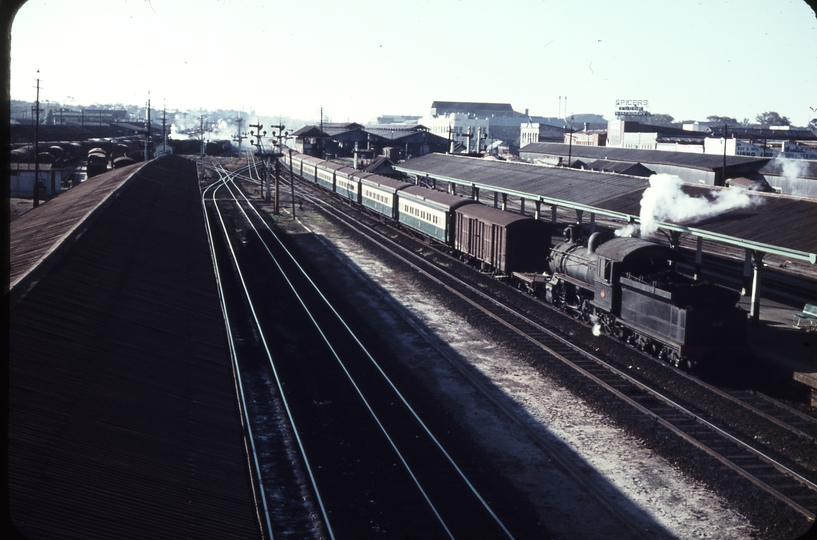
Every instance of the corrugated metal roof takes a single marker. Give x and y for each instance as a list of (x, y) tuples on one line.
[(479, 109), (56, 224), (780, 221), (309, 131), (438, 197), (684, 159), (492, 215), (782, 225), (634, 169), (382, 181), (584, 187), (123, 418)]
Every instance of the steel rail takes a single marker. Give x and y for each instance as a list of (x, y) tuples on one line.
[(770, 461), (262, 335), (245, 420), (328, 343), (377, 366)]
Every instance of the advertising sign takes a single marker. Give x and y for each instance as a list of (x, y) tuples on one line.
[(631, 107)]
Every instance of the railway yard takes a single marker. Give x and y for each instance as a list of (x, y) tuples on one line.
[(388, 389), (659, 440)]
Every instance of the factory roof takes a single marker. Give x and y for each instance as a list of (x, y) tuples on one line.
[(123, 418), (309, 131), (633, 169), (775, 226), (681, 159), (479, 109)]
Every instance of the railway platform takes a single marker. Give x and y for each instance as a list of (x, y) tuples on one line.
[(778, 343)]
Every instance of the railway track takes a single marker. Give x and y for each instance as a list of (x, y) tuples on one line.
[(736, 448), (328, 430)]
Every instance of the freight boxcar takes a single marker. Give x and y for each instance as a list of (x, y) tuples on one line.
[(500, 240)]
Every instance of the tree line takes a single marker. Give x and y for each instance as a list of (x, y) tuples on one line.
[(763, 120)]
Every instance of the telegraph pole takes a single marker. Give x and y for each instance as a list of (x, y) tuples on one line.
[(164, 135), (322, 152), (201, 135), (291, 181), (36, 146), (723, 174), (275, 155), (147, 131)]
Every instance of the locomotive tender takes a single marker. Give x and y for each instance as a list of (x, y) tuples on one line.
[(626, 287)]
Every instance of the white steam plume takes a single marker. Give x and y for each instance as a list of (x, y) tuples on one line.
[(664, 200), (792, 168), (189, 129)]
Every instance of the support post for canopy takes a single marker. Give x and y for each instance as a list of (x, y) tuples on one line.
[(504, 201), (699, 253), (757, 264), (538, 209), (747, 273), (553, 213), (579, 214), (474, 192), (496, 199), (276, 195), (522, 206), (592, 223), (674, 243)]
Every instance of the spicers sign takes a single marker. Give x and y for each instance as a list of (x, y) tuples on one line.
[(631, 107)]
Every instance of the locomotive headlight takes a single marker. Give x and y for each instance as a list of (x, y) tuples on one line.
[(603, 293)]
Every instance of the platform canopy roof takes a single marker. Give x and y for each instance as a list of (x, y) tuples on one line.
[(779, 224)]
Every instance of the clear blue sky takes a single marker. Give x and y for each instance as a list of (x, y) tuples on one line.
[(362, 58)]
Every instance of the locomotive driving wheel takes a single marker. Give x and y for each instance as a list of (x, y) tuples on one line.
[(608, 324)]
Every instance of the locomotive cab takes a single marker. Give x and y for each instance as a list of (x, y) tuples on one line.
[(621, 257), (605, 293)]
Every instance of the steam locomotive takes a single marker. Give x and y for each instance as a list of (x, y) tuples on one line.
[(627, 287)]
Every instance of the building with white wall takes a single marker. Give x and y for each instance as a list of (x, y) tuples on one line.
[(462, 128), (21, 180), (534, 132)]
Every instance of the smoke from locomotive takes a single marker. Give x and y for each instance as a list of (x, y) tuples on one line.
[(665, 200)]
